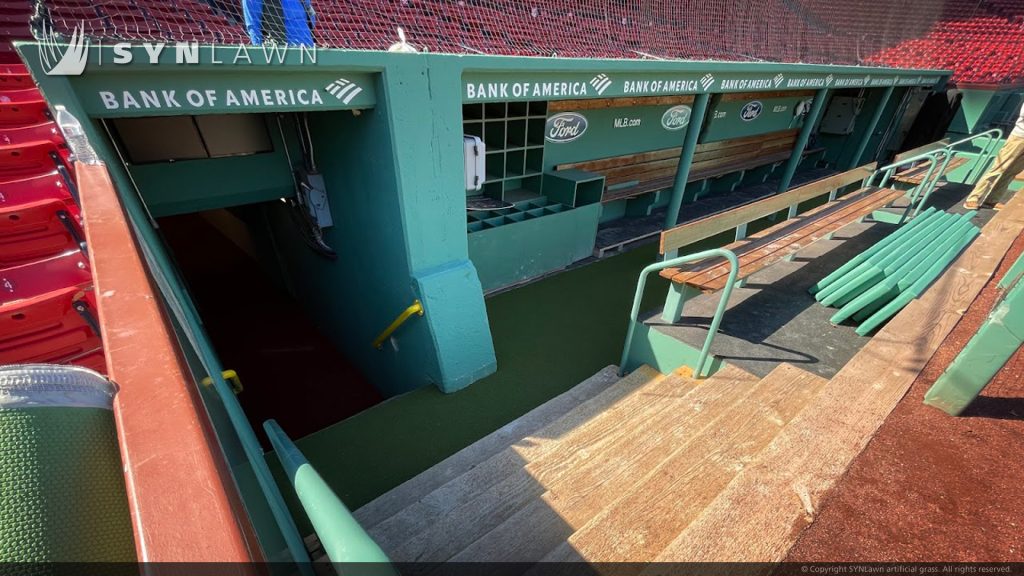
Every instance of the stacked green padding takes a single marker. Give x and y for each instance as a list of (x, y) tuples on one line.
[(63, 496), (876, 284)]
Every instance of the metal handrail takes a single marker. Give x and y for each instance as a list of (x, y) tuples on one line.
[(992, 138), (342, 537), (734, 269), (927, 183), (415, 308), (944, 155)]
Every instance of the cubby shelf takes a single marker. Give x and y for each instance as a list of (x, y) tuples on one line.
[(527, 205), (513, 133)]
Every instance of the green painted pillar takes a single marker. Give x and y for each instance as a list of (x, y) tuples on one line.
[(700, 109), (983, 356), (801, 142), (872, 124)]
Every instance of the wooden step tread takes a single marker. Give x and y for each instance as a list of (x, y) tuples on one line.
[(442, 510), (640, 524), (571, 489), (389, 503)]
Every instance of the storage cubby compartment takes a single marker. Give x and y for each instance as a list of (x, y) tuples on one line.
[(534, 161), (514, 135), (574, 187), (515, 160), (495, 110), (517, 109), (533, 238), (472, 112), (494, 135), (535, 131), (473, 129), (495, 167)]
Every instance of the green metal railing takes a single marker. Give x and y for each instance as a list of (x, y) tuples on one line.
[(920, 193), (341, 536), (938, 163), (634, 314), (992, 139)]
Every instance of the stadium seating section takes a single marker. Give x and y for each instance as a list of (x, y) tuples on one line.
[(47, 306), (982, 40)]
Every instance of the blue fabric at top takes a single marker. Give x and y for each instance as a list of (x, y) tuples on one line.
[(298, 19)]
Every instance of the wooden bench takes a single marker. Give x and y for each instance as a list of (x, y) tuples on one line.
[(914, 175), (776, 243), (635, 174)]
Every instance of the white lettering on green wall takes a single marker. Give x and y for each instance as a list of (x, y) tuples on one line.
[(506, 90), (209, 98)]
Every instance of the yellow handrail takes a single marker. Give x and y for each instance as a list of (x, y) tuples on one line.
[(231, 376), (416, 308)]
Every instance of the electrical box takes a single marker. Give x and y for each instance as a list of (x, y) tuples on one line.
[(312, 185), (841, 116), (473, 148)]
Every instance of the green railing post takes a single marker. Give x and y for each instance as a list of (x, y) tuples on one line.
[(872, 124), (700, 109), (343, 539), (716, 321), (801, 142)]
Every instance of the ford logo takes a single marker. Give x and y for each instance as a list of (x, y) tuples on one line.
[(565, 127), (676, 117), (751, 110)]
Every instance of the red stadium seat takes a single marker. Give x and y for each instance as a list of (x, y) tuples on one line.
[(46, 187), (55, 327), (20, 161), (44, 131), (33, 230), (21, 112)]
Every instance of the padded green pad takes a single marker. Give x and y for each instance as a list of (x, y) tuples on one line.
[(63, 495)]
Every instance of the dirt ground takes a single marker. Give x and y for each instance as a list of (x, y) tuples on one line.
[(931, 487)]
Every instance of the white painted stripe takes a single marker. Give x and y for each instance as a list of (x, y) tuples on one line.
[(352, 95), (333, 88), (340, 94)]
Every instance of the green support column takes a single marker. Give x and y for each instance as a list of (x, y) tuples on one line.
[(801, 142), (700, 108), (872, 124)]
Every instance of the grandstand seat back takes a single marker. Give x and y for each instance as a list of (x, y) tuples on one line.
[(36, 229)]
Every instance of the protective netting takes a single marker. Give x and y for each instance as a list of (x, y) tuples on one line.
[(982, 39)]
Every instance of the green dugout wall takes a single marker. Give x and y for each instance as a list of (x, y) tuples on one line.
[(388, 133)]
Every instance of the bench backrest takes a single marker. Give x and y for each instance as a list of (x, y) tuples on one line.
[(921, 150), (709, 160), (696, 230)]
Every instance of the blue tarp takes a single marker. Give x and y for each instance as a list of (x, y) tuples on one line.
[(297, 15)]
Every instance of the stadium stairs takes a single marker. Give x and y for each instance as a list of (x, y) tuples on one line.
[(47, 306)]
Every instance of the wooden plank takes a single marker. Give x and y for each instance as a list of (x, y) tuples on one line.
[(601, 462), (773, 244), (746, 139), (627, 160), (743, 96), (759, 516), (646, 519), (604, 103), (921, 150), (436, 525), (916, 174), (773, 235), (409, 492), (699, 229)]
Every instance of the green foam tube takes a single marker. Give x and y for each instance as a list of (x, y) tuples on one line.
[(63, 497)]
